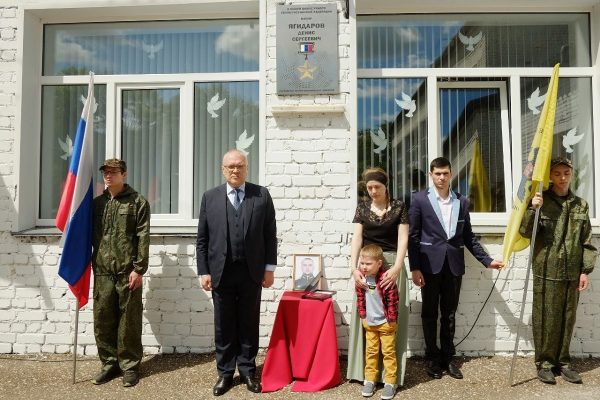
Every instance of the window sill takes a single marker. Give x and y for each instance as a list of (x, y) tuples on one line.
[(308, 109), (162, 231)]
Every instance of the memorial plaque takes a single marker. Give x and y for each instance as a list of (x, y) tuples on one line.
[(307, 49)]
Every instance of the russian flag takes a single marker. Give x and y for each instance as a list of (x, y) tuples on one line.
[(74, 216), (307, 47)]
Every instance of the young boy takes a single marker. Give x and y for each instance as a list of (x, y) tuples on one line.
[(378, 311)]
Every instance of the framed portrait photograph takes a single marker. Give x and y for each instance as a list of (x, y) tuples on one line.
[(307, 271)]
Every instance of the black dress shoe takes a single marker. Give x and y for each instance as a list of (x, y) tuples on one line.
[(252, 383), (454, 371), (224, 383), (434, 370)]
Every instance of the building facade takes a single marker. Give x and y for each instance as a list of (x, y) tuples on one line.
[(180, 82)]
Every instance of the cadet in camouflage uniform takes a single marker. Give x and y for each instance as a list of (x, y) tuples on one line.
[(121, 228), (563, 257)]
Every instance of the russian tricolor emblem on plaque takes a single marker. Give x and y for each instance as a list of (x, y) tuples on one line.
[(306, 48)]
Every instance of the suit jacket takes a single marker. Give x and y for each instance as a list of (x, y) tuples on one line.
[(428, 243), (260, 232)]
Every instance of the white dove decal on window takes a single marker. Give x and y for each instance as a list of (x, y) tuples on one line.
[(129, 120), (379, 140), (214, 104), (244, 142), (83, 99), (408, 104), (470, 41), (535, 100), (152, 49), (571, 139), (66, 146)]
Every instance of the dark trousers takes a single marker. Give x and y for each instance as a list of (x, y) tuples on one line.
[(441, 291), (237, 315)]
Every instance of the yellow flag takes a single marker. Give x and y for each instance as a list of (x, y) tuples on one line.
[(479, 186), (535, 172)]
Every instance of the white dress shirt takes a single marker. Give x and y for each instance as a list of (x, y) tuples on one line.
[(446, 209), (231, 193)]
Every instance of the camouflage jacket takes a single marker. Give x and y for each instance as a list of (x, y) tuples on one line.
[(563, 245), (121, 233)]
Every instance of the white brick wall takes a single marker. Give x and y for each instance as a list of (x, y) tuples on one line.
[(310, 172)]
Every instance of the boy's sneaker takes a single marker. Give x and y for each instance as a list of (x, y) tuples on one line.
[(368, 389), (389, 391)]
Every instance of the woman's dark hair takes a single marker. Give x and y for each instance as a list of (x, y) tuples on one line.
[(379, 175)]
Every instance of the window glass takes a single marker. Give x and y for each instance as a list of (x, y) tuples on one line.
[(573, 131), (392, 132), (473, 40), (150, 145), (61, 112), (157, 47), (471, 129), (225, 117)]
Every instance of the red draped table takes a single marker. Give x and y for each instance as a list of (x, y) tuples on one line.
[(303, 346)]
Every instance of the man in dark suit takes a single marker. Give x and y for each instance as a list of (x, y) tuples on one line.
[(440, 229), (236, 253)]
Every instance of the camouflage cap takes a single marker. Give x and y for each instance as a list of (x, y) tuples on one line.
[(114, 163), (561, 161)]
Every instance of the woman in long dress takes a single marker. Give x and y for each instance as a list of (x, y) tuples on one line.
[(383, 221)]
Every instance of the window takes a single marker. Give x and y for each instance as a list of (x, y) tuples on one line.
[(158, 47), (61, 110), (214, 136), (172, 97), (470, 87), (475, 137), (392, 132), (150, 139), (573, 129), (473, 40)]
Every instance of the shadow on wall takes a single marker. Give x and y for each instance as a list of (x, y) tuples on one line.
[(342, 326), (35, 302), (496, 328), (179, 315)]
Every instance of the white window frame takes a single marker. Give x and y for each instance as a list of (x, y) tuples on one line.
[(33, 15)]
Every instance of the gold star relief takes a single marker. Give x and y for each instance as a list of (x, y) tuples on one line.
[(306, 71)]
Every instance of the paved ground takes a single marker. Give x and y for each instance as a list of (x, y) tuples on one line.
[(191, 376)]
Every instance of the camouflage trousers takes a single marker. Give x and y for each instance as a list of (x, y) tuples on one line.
[(554, 312), (118, 321)]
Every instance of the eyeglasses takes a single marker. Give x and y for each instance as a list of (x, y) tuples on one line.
[(107, 172), (231, 168)]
